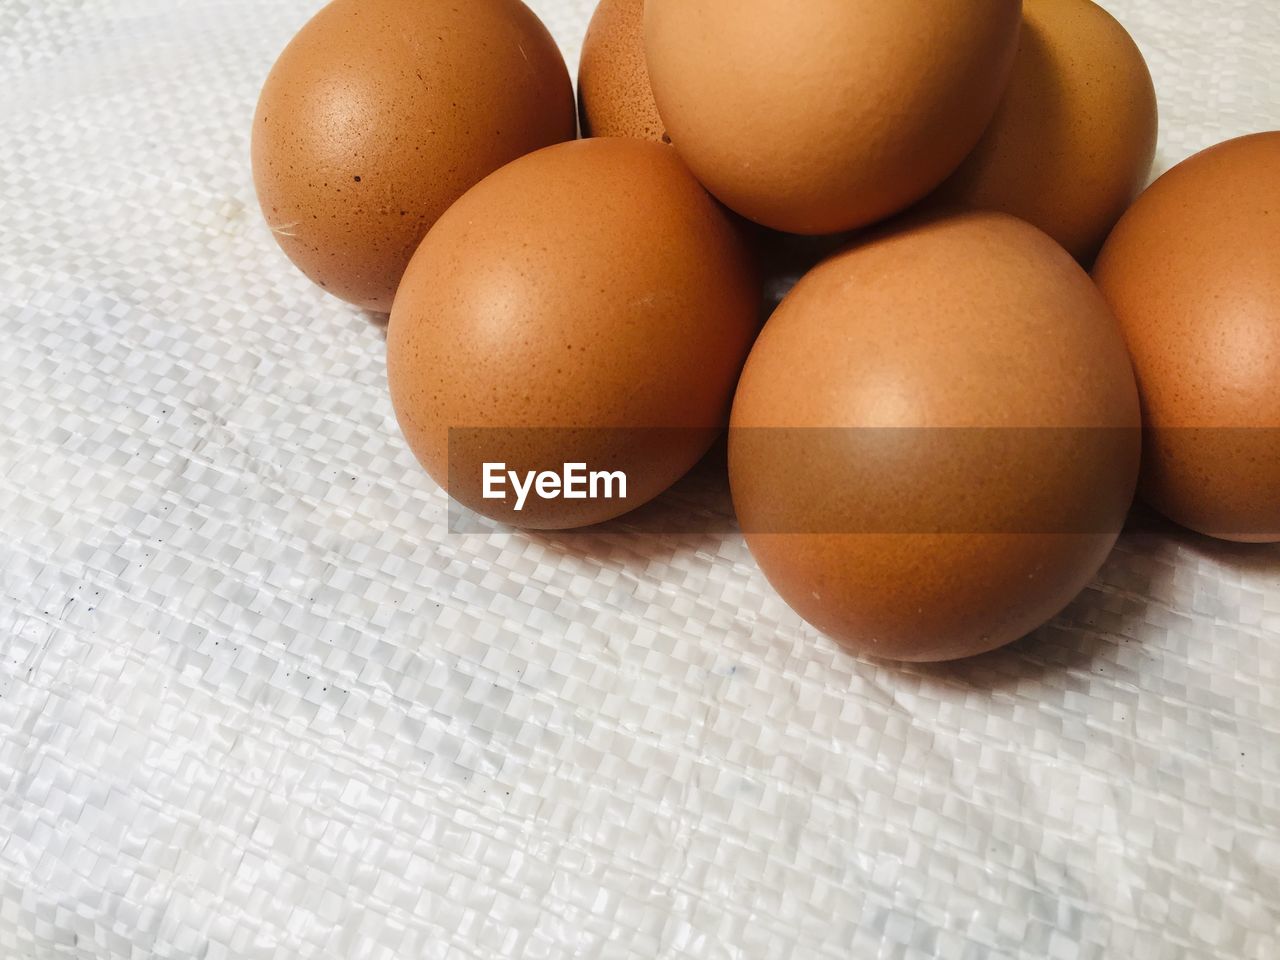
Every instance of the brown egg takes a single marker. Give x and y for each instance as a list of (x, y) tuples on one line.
[(614, 96), (827, 115), (1073, 140), (380, 113), (1192, 272), (588, 304), (935, 441)]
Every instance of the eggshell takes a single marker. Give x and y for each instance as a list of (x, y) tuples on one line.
[(1075, 135), (589, 303), (935, 441), (1193, 274), (380, 113), (614, 96), (823, 116)]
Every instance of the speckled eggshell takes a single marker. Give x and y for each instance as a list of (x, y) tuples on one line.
[(827, 115), (1074, 138), (935, 441), (1192, 272), (380, 113), (589, 303), (614, 96)]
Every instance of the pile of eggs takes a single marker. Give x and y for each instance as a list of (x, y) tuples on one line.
[(936, 437)]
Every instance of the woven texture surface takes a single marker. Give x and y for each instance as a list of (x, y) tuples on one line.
[(257, 702)]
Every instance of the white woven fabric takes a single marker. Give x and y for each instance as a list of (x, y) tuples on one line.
[(257, 702)]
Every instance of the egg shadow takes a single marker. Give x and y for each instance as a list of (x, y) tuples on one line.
[(1246, 559), (378, 321), (695, 515), (1051, 650), (1067, 644), (1138, 575), (787, 258)]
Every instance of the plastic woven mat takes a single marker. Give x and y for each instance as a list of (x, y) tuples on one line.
[(256, 701)]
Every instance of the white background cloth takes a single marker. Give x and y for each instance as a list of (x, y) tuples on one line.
[(256, 701)]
